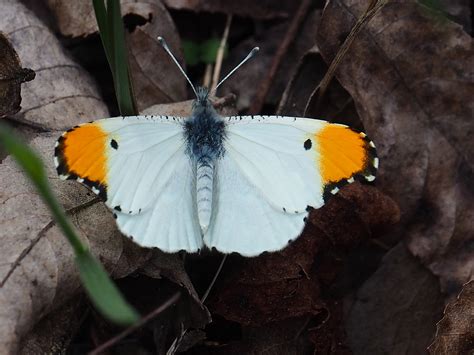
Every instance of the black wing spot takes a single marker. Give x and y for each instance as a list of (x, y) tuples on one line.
[(284, 209), (114, 144), (308, 144), (115, 216), (118, 208)]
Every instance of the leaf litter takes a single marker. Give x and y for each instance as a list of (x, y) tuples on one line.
[(314, 295)]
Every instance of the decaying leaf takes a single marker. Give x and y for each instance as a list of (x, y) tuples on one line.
[(278, 338), (57, 98), (12, 75), (243, 83), (266, 9), (396, 309), (284, 284), (54, 333), (411, 79), (455, 332), (155, 78), (37, 273)]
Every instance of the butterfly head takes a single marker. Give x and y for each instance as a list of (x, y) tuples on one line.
[(202, 104)]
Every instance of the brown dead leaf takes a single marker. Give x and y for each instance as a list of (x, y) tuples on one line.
[(276, 338), (282, 285), (459, 11), (37, 273), (57, 98), (262, 10), (455, 332), (171, 266), (12, 75), (410, 75), (243, 82), (396, 309), (53, 334), (155, 78)]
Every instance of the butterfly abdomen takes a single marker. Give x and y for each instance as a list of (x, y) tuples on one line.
[(204, 182), (204, 133)]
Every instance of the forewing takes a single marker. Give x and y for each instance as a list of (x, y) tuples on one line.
[(127, 160), (298, 162), (274, 170), (139, 166)]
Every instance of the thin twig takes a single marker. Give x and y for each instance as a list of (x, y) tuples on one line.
[(204, 297), (266, 83), (134, 327), (220, 53), (206, 81), (177, 341), (373, 8)]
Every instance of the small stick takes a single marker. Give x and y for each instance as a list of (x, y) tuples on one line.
[(204, 297), (373, 8), (206, 81), (266, 83), (220, 53), (134, 327), (177, 341)]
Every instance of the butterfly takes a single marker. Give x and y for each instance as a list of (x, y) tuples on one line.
[(242, 184)]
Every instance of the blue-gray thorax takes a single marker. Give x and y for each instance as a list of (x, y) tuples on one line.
[(204, 130)]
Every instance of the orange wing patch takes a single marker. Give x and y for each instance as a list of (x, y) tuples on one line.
[(344, 155), (81, 154)]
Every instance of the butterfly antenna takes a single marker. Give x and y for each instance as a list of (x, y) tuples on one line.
[(167, 49), (249, 56)]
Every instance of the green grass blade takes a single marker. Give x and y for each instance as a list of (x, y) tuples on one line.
[(112, 33), (98, 285), (122, 75), (101, 16)]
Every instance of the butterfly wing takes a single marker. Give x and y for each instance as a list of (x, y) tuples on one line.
[(138, 165), (274, 170)]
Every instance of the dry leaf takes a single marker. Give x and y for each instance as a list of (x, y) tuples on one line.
[(262, 10), (277, 338), (410, 75), (459, 11), (282, 285), (12, 75), (53, 334), (455, 332), (243, 82), (57, 99), (155, 78), (396, 309), (37, 273)]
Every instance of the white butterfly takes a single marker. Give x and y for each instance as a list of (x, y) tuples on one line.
[(238, 184)]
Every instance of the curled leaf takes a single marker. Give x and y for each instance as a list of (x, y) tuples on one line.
[(12, 75)]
